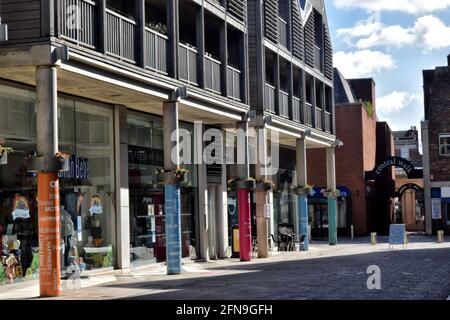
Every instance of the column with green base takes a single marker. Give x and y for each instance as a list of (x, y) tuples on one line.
[(332, 193), (332, 220)]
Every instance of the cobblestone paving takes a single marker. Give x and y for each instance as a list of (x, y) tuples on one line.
[(420, 272)]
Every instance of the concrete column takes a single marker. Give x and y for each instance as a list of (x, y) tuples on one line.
[(122, 189), (426, 179), (302, 199), (332, 200), (244, 208), (223, 209), (171, 189), (48, 182), (173, 34), (202, 192), (262, 195)]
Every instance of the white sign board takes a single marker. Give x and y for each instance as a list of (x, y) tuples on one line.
[(445, 192), (436, 209)]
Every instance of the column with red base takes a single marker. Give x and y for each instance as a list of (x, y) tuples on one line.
[(245, 225)]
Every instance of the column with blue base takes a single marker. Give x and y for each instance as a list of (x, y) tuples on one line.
[(332, 193), (302, 191), (303, 219), (173, 228), (171, 188), (332, 220)]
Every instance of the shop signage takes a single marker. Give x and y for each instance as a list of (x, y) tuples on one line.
[(21, 208), (398, 163), (397, 234), (436, 209), (49, 234), (173, 228), (78, 169)]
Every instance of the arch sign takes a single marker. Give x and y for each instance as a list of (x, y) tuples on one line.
[(399, 163)]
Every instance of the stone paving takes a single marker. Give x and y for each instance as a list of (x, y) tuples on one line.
[(419, 272)]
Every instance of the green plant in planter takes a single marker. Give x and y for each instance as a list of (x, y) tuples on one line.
[(268, 184), (158, 27), (5, 150), (332, 192)]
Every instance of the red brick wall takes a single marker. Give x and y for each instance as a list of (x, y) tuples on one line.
[(357, 130)]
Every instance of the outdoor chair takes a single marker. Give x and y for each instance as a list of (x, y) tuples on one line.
[(286, 237)]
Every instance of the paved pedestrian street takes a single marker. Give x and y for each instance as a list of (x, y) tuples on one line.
[(420, 272)]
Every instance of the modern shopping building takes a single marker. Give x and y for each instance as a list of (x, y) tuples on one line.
[(436, 149), (104, 81)]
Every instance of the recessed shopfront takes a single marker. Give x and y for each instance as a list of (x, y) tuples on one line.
[(147, 212), (86, 190)]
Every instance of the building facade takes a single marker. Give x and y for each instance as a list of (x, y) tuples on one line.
[(435, 138), (116, 78), (409, 207)]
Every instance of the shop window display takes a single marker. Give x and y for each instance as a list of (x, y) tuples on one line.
[(87, 212), (147, 214)]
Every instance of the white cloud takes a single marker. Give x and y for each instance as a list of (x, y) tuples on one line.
[(428, 33), (408, 6), (397, 101), (362, 63)]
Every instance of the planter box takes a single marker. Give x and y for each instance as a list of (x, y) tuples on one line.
[(329, 194), (246, 184), (304, 192), (48, 164), (4, 159), (168, 178), (263, 187)]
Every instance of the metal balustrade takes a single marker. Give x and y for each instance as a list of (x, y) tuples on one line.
[(269, 97), (327, 122), (120, 35), (155, 57), (319, 120), (234, 83), (318, 61), (188, 63), (296, 105), (308, 114), (284, 104), (77, 21), (282, 32), (212, 74)]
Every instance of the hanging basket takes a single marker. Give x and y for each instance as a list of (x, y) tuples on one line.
[(169, 178), (302, 191), (248, 184), (262, 186)]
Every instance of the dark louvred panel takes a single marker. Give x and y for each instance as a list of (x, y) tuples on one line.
[(328, 54), (309, 41), (271, 20), (298, 47), (238, 9)]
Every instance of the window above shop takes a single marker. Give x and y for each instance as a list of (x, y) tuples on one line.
[(444, 145)]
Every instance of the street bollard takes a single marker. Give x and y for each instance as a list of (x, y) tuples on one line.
[(352, 232), (440, 236), (373, 238)]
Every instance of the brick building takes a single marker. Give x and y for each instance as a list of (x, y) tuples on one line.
[(357, 127), (436, 148)]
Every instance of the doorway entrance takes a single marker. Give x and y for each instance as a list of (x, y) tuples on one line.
[(318, 216), (214, 223)]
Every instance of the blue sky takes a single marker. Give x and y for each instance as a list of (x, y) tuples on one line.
[(391, 41)]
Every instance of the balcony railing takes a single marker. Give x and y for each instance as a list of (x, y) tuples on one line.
[(77, 21), (212, 74), (282, 32), (296, 105), (308, 114), (188, 63), (234, 83), (318, 61), (120, 35), (328, 122), (284, 104), (155, 57), (319, 120), (269, 97)]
